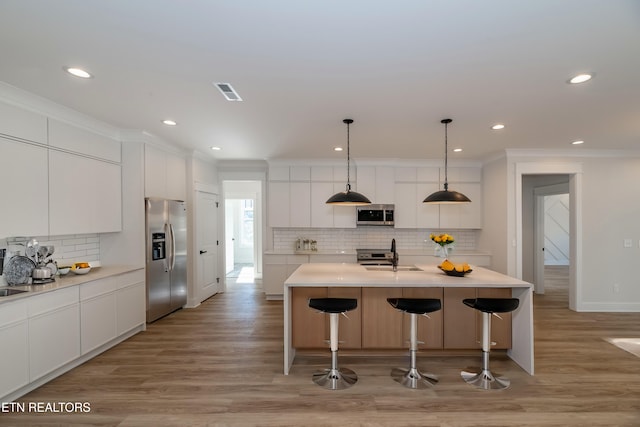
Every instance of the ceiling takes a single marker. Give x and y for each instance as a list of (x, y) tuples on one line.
[(301, 67)]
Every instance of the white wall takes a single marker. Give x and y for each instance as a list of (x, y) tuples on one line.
[(608, 212), (493, 237)]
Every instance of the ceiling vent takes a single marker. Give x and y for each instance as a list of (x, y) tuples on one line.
[(228, 92)]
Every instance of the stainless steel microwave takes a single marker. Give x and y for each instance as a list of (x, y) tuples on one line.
[(375, 215)]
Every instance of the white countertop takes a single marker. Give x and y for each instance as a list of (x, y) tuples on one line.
[(70, 279), (355, 275)]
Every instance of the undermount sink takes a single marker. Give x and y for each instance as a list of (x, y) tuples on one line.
[(390, 268), (8, 291)]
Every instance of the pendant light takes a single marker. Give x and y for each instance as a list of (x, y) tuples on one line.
[(445, 196), (348, 197)]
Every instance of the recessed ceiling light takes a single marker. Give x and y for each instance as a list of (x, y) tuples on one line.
[(457, 150), (497, 126), (581, 78), (78, 72), (577, 142), (216, 148), (169, 122), (337, 148)]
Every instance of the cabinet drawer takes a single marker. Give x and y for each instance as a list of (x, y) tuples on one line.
[(98, 287), (12, 312), (52, 300)]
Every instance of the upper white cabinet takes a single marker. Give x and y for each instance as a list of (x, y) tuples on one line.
[(81, 141), (19, 123), (466, 180), (298, 195), (24, 208), (164, 174), (412, 185), (376, 183), (85, 195)]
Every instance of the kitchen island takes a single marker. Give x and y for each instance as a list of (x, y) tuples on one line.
[(340, 278)]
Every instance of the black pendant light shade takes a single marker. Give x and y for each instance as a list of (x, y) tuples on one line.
[(348, 197), (445, 196)]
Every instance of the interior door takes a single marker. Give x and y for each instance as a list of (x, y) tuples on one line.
[(207, 243)]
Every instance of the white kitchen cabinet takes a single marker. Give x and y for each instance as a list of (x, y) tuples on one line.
[(82, 141), (164, 174), (14, 333), (410, 212), (300, 204), (322, 214), (110, 307), (54, 330), (463, 215), (279, 204), (376, 183), (25, 200), (343, 216), (85, 195), (130, 301), (97, 313), (17, 122), (276, 269)]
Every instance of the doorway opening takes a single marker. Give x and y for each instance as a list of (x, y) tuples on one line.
[(546, 230), (242, 225)]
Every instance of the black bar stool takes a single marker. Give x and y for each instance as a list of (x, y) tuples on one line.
[(412, 378), (488, 306), (334, 378)]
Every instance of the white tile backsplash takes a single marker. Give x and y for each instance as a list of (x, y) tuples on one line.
[(70, 248), (336, 239)]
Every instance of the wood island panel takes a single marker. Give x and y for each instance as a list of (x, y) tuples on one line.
[(308, 325), (381, 323), (349, 328), (459, 329)]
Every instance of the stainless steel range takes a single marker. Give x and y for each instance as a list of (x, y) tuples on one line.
[(374, 256)]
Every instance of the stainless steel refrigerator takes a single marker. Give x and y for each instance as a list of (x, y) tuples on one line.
[(166, 236)]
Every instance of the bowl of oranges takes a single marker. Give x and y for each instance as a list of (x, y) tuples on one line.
[(457, 270)]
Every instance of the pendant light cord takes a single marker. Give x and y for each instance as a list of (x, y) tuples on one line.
[(446, 152), (348, 122)]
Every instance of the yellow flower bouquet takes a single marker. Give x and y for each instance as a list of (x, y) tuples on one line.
[(443, 241)]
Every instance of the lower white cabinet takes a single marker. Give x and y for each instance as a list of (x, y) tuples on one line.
[(130, 307), (47, 334), (14, 371), (276, 269), (54, 331), (110, 307)]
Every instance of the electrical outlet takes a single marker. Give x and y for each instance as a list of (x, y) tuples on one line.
[(616, 288), (628, 243)]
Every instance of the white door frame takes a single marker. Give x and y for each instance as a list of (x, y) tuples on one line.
[(574, 170), (538, 231)]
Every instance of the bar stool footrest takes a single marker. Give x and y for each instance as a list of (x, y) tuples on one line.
[(485, 380), (335, 379), (412, 378)]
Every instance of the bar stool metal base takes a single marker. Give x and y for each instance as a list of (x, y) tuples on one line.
[(335, 379), (485, 380), (412, 378)]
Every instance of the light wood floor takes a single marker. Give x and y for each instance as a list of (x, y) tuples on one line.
[(221, 365)]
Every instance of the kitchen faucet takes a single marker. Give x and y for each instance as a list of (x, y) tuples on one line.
[(394, 259)]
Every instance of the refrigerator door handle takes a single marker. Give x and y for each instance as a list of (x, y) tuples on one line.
[(173, 248), (167, 259)]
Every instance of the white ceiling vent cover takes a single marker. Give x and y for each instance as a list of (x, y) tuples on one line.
[(228, 91)]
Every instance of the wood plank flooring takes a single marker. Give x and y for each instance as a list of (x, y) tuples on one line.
[(221, 365)]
